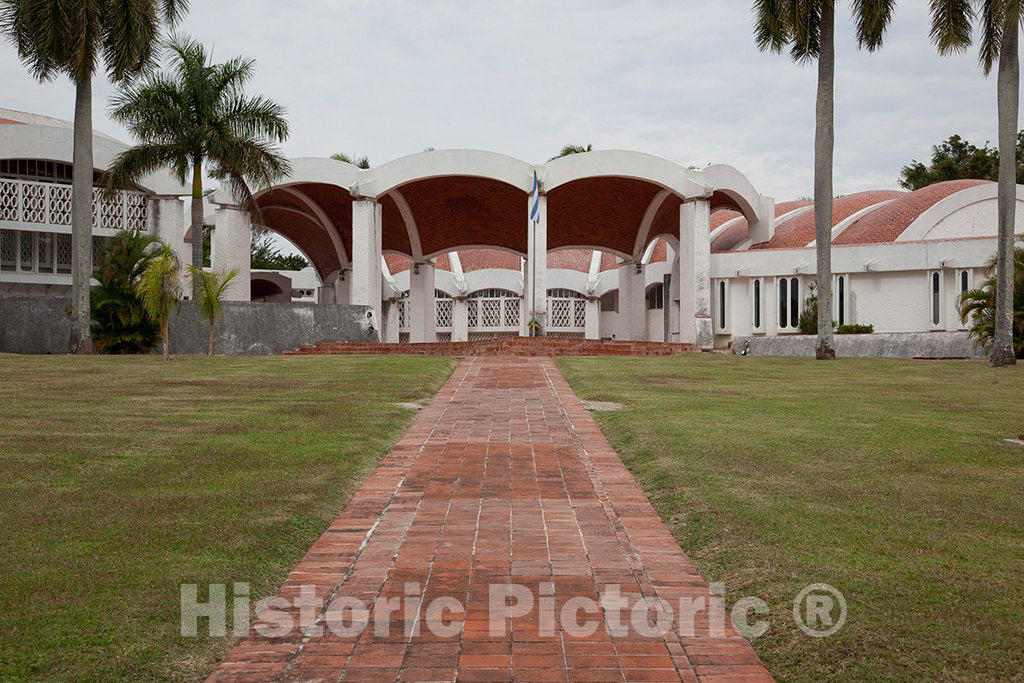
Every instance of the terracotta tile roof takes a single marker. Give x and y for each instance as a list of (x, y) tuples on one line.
[(480, 259), (571, 259), (737, 234), (889, 222), (798, 232), (3, 121), (608, 261)]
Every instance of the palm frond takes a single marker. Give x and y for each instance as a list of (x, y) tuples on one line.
[(951, 25), (212, 286), (993, 20), (159, 287), (772, 31), (872, 18)]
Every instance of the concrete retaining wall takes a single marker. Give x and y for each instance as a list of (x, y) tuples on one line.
[(904, 345), (37, 324)]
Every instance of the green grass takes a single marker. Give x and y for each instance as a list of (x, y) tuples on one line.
[(122, 478), (886, 479)]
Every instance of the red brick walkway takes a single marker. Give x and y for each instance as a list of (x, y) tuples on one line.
[(504, 479)]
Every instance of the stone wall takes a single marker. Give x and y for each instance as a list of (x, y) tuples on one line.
[(38, 324), (905, 345)]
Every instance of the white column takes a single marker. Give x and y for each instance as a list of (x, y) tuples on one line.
[(632, 303), (391, 323), (695, 274), (232, 244), (342, 288), (535, 290), (460, 319), (325, 294), (167, 216), (365, 278), (423, 317), (593, 324)]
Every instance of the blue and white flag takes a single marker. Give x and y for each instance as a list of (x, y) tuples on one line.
[(535, 200)]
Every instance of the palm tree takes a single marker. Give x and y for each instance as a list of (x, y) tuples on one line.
[(212, 287), (952, 33), (120, 322), (197, 114), (71, 37), (358, 162), (978, 305), (160, 289), (572, 149), (807, 28)]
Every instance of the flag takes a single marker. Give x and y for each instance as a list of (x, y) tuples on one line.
[(535, 200)]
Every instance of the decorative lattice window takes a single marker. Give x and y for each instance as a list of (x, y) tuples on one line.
[(492, 293), (63, 253), (472, 311), (8, 250), (136, 206), (562, 293), (99, 247), (444, 312), (512, 312), (33, 203), (403, 313), (26, 250), (9, 200), (45, 247), (60, 205), (490, 313), (561, 312), (579, 313), (107, 212)]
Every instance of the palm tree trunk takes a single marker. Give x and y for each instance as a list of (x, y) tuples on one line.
[(824, 143), (209, 342), (81, 220), (197, 223), (1008, 92), (165, 333)]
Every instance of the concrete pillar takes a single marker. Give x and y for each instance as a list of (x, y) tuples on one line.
[(593, 324), (695, 274), (232, 244), (167, 222), (460, 319), (535, 290), (632, 303), (342, 288), (365, 277), (325, 294), (423, 316), (391, 322)]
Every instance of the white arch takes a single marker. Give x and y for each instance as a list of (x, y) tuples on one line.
[(648, 219), (323, 219), (759, 210), (410, 224), (624, 164), (339, 248), (378, 181)]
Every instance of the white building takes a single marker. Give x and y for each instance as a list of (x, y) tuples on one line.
[(628, 245)]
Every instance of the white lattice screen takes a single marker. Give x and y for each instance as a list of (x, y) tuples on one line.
[(445, 309)]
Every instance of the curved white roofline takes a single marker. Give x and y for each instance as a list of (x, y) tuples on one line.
[(669, 175), (378, 181), (930, 219)]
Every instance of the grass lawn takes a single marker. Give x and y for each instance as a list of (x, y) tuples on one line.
[(886, 479), (122, 478)]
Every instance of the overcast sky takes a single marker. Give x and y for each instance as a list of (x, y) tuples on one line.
[(677, 78)]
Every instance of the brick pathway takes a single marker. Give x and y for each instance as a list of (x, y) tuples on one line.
[(503, 479)]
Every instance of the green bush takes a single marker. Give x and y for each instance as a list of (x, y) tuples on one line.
[(855, 329), (119, 321), (809, 315)]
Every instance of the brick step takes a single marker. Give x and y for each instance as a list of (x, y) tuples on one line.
[(508, 346)]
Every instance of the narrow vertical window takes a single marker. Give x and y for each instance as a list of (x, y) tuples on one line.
[(842, 300), (794, 302), (936, 310), (721, 304), (965, 281), (783, 303), (757, 304)]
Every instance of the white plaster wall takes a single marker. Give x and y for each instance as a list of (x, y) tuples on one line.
[(974, 220), (892, 302)]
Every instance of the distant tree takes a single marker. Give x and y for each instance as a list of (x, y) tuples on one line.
[(572, 149), (211, 296), (807, 29), (358, 162), (958, 159), (159, 288), (72, 38), (266, 256), (120, 323), (978, 305), (196, 116), (952, 32)]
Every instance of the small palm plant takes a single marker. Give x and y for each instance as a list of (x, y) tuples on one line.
[(211, 288), (120, 322), (362, 162), (568, 150), (160, 289), (978, 306)]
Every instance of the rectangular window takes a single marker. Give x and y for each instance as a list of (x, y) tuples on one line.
[(721, 304), (757, 304), (783, 303), (936, 292), (841, 301), (794, 302)]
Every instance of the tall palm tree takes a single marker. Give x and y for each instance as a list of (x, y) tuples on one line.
[(572, 149), (359, 162), (807, 28), (952, 23), (211, 302), (159, 288), (71, 38), (195, 117)]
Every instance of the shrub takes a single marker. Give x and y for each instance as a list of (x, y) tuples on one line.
[(120, 323), (855, 329), (809, 315), (978, 306)]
